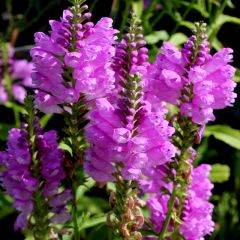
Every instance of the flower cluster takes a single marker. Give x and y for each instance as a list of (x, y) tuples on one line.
[(17, 179), (197, 210), (197, 85), (74, 59), (24, 175), (137, 137), (15, 75)]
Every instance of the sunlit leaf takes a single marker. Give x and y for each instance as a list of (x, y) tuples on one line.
[(225, 134), (178, 38), (219, 173), (156, 36), (138, 8)]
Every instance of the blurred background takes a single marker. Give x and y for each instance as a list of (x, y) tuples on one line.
[(162, 20)]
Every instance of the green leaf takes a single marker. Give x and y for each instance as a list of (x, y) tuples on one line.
[(217, 44), (156, 36), (187, 24), (93, 221), (178, 38), (219, 173), (225, 134), (198, 7), (45, 119), (15, 106), (5, 205), (236, 78), (222, 19), (138, 8), (82, 189), (4, 128)]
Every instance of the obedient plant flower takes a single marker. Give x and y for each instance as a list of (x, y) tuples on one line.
[(192, 80), (15, 75), (196, 216), (17, 178), (74, 58), (197, 83), (33, 170), (136, 136)]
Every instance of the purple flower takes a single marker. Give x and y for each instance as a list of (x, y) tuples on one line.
[(19, 72), (212, 87), (197, 214), (210, 79), (167, 74), (123, 130), (17, 178), (21, 181), (75, 58)]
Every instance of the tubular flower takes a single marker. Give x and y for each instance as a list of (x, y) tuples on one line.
[(15, 75), (197, 214), (193, 79), (17, 178), (22, 181), (213, 87), (136, 136), (75, 58)]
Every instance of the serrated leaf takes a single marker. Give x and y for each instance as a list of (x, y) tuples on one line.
[(178, 38), (156, 36), (219, 173), (225, 134)]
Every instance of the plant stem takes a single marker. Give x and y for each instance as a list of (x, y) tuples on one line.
[(16, 117), (169, 212), (74, 213)]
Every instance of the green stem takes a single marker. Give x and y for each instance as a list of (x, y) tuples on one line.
[(183, 17), (74, 213), (169, 212), (125, 15), (17, 117)]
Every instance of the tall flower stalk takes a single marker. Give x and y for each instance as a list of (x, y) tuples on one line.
[(197, 83), (32, 176), (135, 132), (77, 56)]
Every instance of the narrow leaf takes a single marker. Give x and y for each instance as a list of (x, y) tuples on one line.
[(225, 134), (219, 173)]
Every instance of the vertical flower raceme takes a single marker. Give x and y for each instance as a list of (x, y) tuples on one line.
[(75, 58), (193, 79), (197, 83), (197, 211), (33, 170), (136, 136), (72, 68), (17, 178), (15, 75)]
